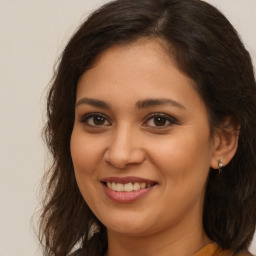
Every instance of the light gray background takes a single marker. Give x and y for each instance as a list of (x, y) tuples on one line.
[(32, 35)]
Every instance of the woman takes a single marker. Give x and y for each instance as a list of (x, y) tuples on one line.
[(151, 123)]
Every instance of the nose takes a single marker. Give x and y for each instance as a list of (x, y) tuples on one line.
[(124, 149)]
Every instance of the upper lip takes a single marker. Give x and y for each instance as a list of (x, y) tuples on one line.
[(128, 179)]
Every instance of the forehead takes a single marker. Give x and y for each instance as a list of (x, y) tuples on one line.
[(137, 71), (153, 50)]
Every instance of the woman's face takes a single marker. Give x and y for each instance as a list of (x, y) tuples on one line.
[(141, 144)]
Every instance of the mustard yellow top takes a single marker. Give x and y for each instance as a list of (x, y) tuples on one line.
[(214, 250)]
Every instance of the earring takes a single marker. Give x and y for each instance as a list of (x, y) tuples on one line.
[(220, 164)]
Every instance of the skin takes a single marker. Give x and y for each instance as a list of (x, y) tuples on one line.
[(128, 141)]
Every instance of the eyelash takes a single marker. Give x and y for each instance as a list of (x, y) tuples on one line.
[(85, 119), (166, 118)]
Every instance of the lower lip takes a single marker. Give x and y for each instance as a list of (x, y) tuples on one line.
[(126, 197)]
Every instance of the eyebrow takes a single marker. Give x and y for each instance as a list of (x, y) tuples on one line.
[(157, 102), (142, 104), (93, 102)]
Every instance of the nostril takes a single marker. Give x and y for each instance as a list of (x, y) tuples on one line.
[(122, 157)]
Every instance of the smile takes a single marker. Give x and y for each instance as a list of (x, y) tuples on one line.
[(128, 187)]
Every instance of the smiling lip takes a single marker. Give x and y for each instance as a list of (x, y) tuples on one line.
[(124, 180), (126, 189)]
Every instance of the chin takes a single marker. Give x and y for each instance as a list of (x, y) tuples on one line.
[(128, 225), (128, 230)]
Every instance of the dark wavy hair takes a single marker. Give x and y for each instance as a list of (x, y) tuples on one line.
[(207, 48)]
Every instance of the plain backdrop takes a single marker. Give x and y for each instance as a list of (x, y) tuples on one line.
[(32, 35)]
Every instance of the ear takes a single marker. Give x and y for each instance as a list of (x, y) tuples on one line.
[(225, 142)]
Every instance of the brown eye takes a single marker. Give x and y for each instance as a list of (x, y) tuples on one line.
[(160, 120), (95, 119), (98, 120)]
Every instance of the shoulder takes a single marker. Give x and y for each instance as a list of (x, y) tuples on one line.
[(214, 249)]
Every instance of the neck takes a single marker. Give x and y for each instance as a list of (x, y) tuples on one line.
[(161, 244)]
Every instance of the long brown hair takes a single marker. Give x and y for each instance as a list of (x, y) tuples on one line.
[(208, 49)]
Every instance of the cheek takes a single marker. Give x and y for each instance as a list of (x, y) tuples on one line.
[(85, 154), (85, 158), (183, 157)]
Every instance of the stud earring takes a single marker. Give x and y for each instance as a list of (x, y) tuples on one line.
[(220, 164)]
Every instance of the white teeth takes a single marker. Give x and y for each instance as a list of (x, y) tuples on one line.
[(136, 186), (109, 185), (143, 185), (113, 185), (128, 187), (119, 187)]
